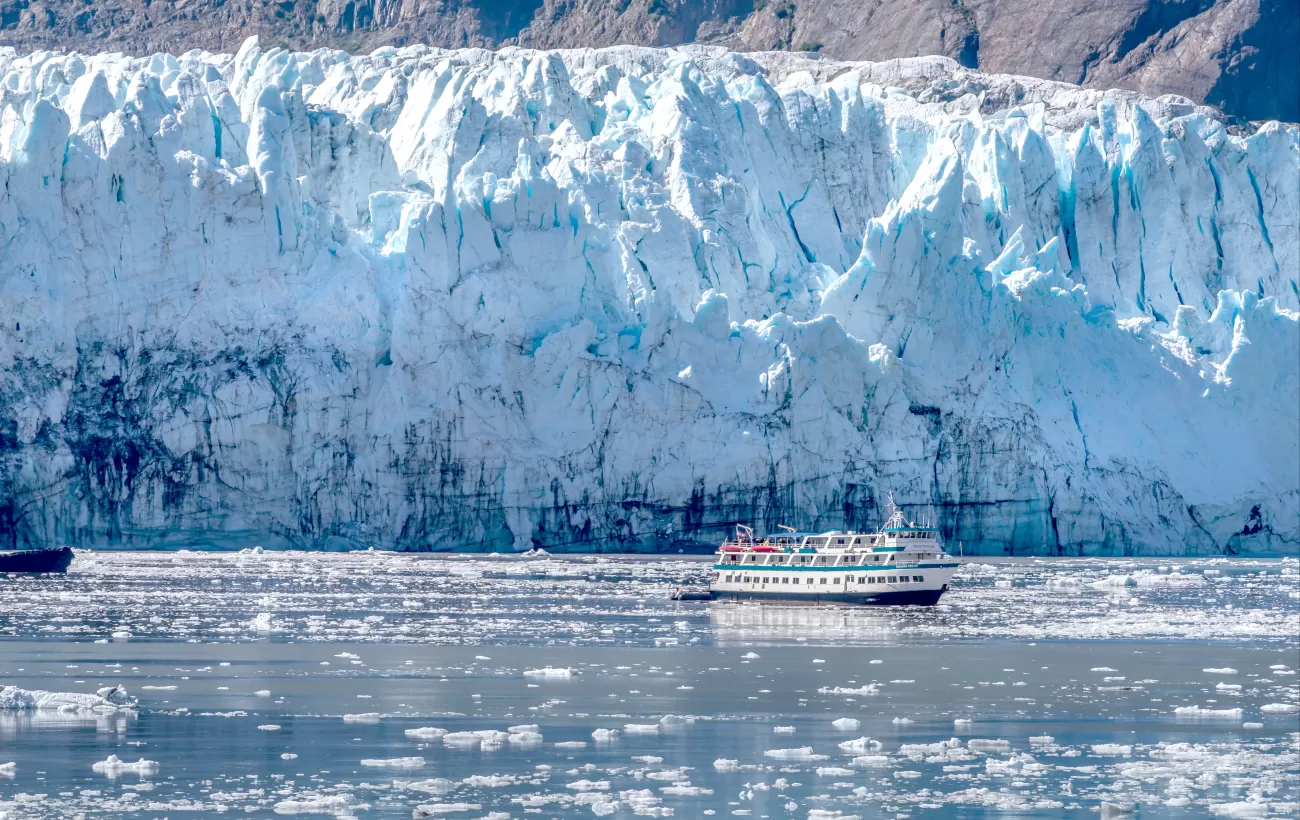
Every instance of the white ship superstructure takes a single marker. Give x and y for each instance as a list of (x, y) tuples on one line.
[(902, 563)]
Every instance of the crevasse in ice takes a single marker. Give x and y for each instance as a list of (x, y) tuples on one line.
[(623, 298)]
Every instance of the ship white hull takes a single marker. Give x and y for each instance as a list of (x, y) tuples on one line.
[(920, 585)]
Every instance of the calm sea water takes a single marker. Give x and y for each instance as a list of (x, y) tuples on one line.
[(275, 684)]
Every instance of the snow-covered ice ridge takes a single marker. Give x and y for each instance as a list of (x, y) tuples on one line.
[(612, 298)]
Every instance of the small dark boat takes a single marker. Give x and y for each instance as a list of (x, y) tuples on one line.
[(44, 560), (690, 594)]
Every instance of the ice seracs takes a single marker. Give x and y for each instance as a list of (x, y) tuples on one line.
[(615, 295)]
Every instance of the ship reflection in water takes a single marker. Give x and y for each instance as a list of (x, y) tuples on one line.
[(745, 623)]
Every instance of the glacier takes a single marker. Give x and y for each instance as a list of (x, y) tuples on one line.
[(621, 299)]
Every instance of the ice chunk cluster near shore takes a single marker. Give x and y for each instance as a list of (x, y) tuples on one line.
[(610, 298)]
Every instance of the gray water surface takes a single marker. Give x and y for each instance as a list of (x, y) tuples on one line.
[(265, 680)]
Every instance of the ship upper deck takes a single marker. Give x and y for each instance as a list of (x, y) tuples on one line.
[(896, 539)]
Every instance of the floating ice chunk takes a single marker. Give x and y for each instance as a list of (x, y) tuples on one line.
[(869, 761), (1279, 709), (1252, 726), (112, 767), (604, 735), (750, 656), (834, 771), (288, 756), (426, 733), (685, 790), (483, 738), (783, 730), (724, 764), (862, 744), (985, 745), (263, 693), (436, 809), (1112, 750), (1198, 712), (1103, 669), (830, 814), (526, 739), (169, 688), (921, 749), (9, 769), (1223, 670), (961, 721), (434, 785), (336, 804), (394, 762), (641, 728), (107, 699), (489, 781), (902, 721), (262, 623), (1042, 740), (869, 689), (588, 785), (363, 717), (524, 727), (549, 672), (571, 744), (269, 727), (847, 724), (1064, 584), (348, 656), (1243, 810), (1228, 687), (802, 753)]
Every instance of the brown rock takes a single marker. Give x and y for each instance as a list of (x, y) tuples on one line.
[(1240, 55)]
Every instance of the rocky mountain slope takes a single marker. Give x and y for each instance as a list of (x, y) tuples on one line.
[(1236, 54), (624, 298)]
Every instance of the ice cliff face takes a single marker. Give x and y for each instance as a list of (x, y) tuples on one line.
[(623, 298)]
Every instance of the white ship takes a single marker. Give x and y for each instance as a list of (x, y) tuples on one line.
[(902, 564)]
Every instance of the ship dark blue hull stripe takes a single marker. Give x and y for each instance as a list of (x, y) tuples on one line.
[(923, 597)]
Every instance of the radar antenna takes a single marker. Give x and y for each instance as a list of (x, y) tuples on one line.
[(896, 519)]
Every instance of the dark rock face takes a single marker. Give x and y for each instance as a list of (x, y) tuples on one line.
[(1239, 55)]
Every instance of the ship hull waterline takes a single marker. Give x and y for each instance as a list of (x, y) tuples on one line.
[(919, 597), (36, 561)]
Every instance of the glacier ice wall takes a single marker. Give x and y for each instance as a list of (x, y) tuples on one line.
[(621, 299)]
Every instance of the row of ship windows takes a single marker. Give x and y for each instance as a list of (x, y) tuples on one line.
[(861, 579)]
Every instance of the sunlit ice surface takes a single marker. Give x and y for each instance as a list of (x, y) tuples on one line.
[(391, 685)]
